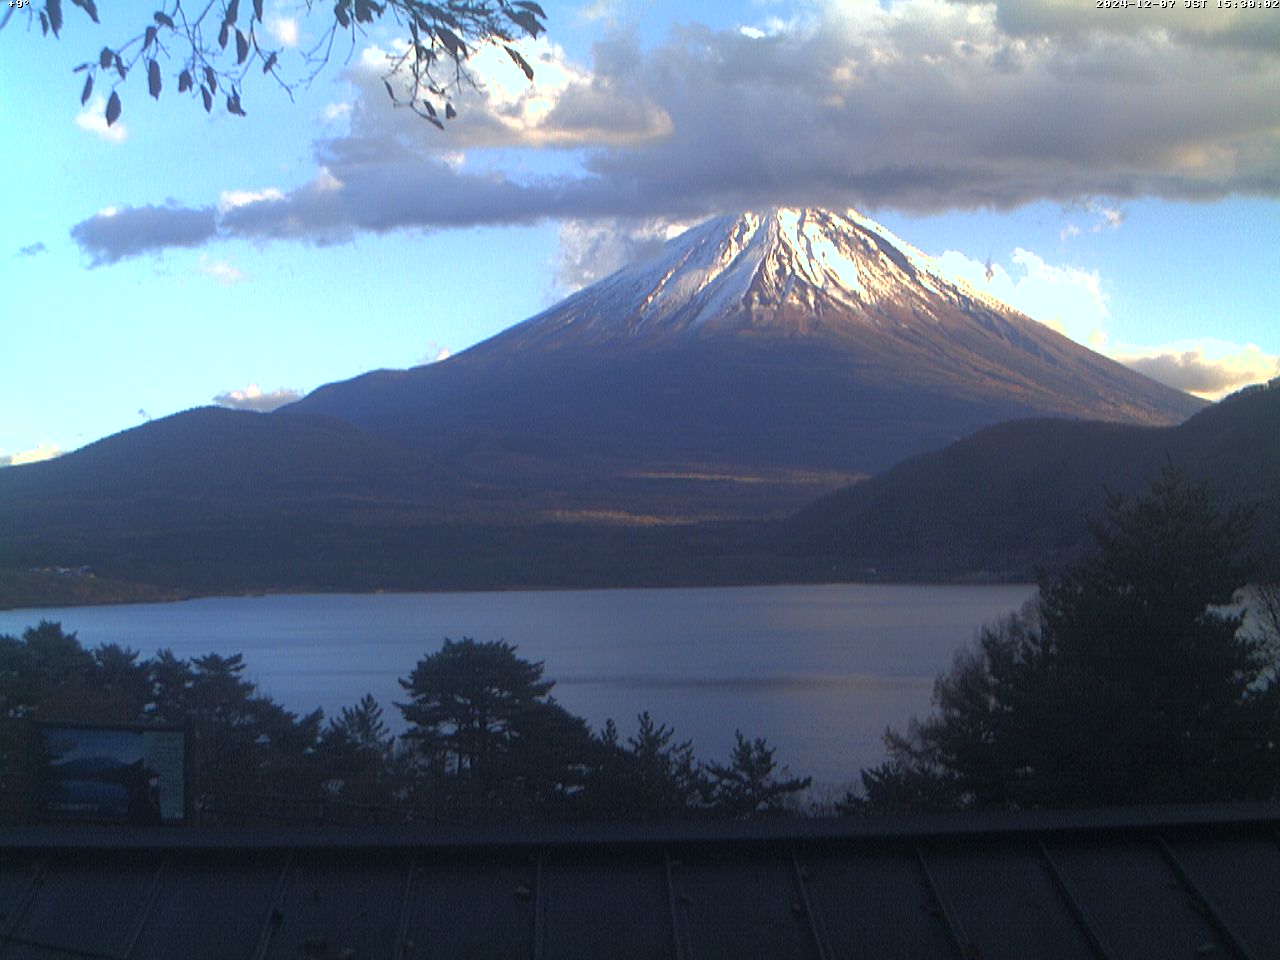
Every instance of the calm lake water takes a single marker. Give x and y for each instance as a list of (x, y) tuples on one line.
[(818, 670)]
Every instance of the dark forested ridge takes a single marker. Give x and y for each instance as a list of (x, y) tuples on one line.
[(213, 501), (1020, 495)]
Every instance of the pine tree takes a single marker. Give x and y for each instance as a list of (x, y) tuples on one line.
[(487, 733), (1130, 681), (747, 786)]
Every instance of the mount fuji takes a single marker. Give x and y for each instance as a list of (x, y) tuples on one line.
[(757, 361), (651, 429)]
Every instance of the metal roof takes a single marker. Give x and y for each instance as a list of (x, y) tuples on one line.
[(1196, 882)]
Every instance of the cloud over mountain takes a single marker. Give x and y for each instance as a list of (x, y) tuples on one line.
[(920, 105), (254, 397), (42, 451), (1209, 370)]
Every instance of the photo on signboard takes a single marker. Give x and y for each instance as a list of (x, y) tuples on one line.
[(112, 774)]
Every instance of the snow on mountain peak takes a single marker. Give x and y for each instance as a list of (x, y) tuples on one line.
[(752, 266)]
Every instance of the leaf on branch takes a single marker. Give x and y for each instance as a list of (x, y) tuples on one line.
[(527, 21), (450, 40), (233, 105), (257, 10), (148, 37), (271, 62), (242, 47), (520, 62), (120, 68), (88, 7), (211, 79), (163, 19), (184, 81), (434, 121), (44, 24), (153, 78), (207, 97), (54, 9), (431, 110), (113, 108), (233, 11), (106, 57), (88, 89), (224, 35), (390, 92), (80, 69), (449, 112), (444, 16), (340, 12), (531, 7)]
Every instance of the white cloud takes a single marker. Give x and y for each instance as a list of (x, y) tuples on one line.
[(284, 30), (1108, 219), (1073, 302), (333, 112), (919, 105), (433, 353), (1208, 368), (1104, 218), (591, 250), (566, 104), (254, 397), (93, 119), (230, 199), (596, 11), (222, 272), (1065, 298), (41, 451)]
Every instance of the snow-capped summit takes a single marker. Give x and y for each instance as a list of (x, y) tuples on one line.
[(789, 268)]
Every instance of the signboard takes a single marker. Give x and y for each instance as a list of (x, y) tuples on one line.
[(126, 773)]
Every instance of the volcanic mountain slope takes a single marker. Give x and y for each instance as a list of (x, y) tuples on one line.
[(757, 361)]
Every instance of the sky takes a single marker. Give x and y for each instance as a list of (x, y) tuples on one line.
[(1115, 174)]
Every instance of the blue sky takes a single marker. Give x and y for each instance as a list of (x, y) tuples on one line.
[(1121, 175)]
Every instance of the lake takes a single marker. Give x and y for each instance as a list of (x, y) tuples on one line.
[(817, 670)]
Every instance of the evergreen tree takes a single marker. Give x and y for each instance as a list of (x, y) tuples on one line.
[(241, 743), (652, 777), (466, 701), (487, 733), (1130, 681), (356, 756), (747, 786)]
